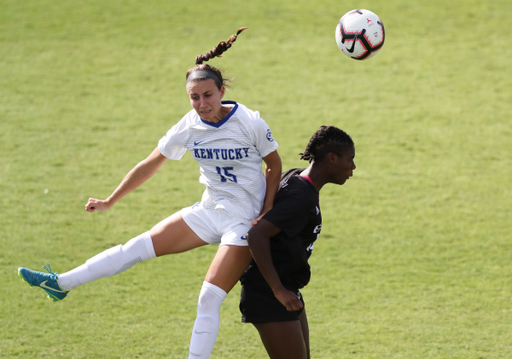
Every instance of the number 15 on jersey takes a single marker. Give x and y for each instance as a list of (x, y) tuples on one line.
[(225, 175)]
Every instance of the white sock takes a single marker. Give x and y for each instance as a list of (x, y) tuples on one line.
[(110, 262), (206, 326)]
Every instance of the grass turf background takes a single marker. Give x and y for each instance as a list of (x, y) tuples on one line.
[(413, 260)]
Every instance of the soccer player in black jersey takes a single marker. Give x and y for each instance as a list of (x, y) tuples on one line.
[(282, 242)]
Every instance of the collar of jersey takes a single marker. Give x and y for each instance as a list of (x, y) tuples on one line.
[(224, 120)]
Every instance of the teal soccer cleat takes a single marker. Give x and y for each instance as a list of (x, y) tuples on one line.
[(46, 281)]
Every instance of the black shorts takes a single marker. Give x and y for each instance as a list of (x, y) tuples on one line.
[(261, 306)]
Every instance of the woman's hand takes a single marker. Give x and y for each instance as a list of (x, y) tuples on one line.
[(289, 299), (137, 176), (263, 212), (257, 219), (94, 204)]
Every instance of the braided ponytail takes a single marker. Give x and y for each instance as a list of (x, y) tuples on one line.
[(217, 51)]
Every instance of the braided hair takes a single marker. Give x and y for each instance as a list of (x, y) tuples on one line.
[(217, 51), (326, 139)]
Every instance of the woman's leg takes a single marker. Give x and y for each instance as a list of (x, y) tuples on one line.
[(172, 235), (284, 340), (303, 319), (227, 267)]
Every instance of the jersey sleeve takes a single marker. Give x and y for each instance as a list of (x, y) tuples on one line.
[(263, 140), (290, 212), (172, 145)]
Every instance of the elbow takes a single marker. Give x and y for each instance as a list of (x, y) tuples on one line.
[(249, 238), (252, 237)]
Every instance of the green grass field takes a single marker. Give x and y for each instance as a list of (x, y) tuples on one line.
[(414, 259)]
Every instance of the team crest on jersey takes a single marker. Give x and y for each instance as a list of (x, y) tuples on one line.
[(269, 136)]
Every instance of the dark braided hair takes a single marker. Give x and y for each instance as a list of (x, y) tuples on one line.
[(217, 51), (326, 139)]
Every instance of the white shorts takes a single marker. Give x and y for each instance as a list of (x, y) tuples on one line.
[(216, 225)]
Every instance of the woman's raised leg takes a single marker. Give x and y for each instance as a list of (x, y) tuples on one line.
[(172, 235)]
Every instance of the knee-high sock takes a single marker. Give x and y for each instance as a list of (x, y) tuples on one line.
[(110, 262), (206, 326)]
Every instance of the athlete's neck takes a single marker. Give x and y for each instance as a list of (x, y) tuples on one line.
[(311, 176), (309, 179)]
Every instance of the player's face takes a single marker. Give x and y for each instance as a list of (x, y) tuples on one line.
[(206, 99), (344, 166)]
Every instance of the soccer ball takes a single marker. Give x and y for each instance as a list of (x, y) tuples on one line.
[(360, 34)]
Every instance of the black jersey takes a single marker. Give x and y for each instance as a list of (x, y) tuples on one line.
[(296, 213)]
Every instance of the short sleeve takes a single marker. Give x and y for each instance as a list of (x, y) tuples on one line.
[(291, 212), (172, 145), (265, 143)]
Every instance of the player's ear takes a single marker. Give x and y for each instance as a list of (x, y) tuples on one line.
[(222, 91), (332, 157)]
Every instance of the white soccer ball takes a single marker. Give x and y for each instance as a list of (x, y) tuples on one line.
[(360, 34)]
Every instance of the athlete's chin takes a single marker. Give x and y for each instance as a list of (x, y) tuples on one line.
[(341, 181)]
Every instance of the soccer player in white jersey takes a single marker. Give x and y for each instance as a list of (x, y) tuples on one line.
[(229, 142)]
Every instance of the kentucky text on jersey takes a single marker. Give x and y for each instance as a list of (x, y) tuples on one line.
[(221, 153)]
